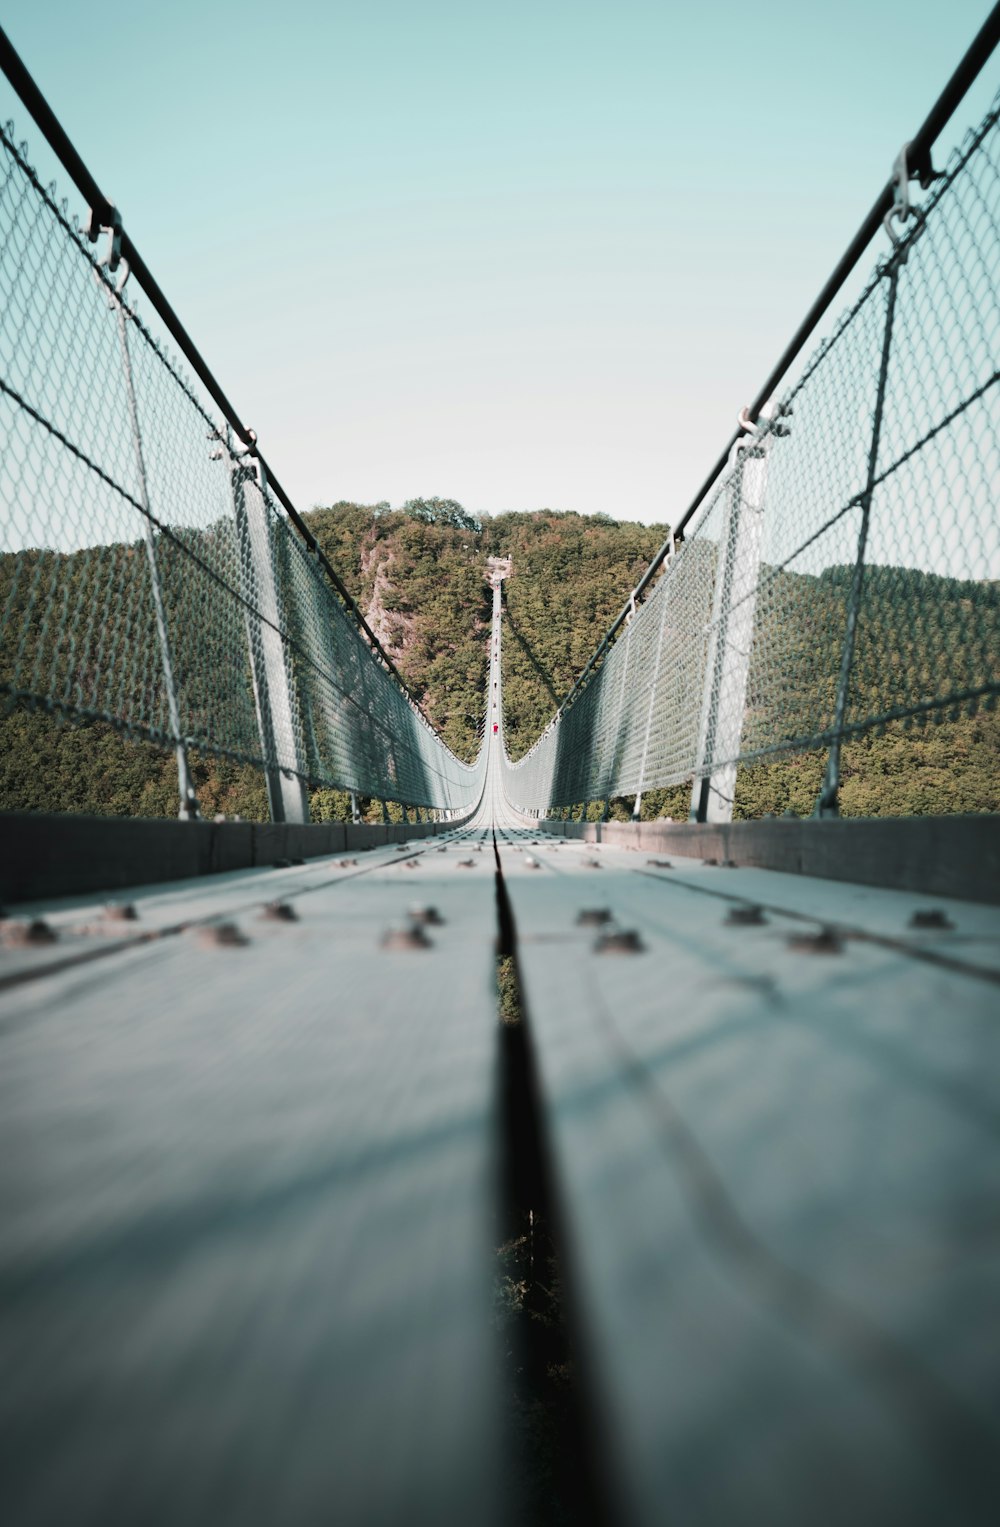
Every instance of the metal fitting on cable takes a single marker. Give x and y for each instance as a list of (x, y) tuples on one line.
[(106, 219), (746, 424), (901, 205), (905, 169)]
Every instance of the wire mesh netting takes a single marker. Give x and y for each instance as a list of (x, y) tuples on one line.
[(843, 574), (148, 578)]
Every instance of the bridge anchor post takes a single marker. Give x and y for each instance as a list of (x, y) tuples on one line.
[(727, 669), (270, 666)]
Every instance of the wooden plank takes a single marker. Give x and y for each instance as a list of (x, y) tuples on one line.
[(85, 928), (246, 1198), (778, 1170)]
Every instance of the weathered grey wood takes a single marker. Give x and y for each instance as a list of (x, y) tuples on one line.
[(778, 1171), (942, 856), (246, 1198)]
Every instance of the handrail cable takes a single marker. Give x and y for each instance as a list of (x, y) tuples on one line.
[(918, 155), (104, 214)]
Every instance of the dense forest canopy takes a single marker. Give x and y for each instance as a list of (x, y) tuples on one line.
[(418, 574)]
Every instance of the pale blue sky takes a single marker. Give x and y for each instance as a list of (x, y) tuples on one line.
[(517, 255)]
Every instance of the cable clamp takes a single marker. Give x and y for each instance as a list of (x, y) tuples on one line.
[(248, 449), (908, 166), (106, 219)]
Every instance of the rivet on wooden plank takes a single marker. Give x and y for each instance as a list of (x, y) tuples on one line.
[(621, 941), (280, 912), (220, 936), (37, 931), (933, 917), (746, 917), (825, 941), (428, 915), (120, 912), (410, 937)]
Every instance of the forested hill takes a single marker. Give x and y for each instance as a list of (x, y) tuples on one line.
[(418, 573), (419, 576)]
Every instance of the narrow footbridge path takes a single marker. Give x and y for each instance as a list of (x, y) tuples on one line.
[(490, 1168), (252, 1156)]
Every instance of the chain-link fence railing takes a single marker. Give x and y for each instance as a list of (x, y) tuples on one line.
[(842, 576), (148, 578)]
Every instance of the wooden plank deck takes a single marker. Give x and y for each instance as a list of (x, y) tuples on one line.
[(248, 1190), (246, 1198), (780, 1170)]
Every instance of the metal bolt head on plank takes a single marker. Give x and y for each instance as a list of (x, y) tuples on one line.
[(279, 912), (932, 918), (220, 936), (427, 915), (35, 931), (619, 941), (410, 937), (120, 912), (745, 917), (824, 941), (593, 917)]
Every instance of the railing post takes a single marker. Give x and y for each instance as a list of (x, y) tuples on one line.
[(188, 810), (637, 808), (609, 777), (727, 669), (287, 795), (828, 804)]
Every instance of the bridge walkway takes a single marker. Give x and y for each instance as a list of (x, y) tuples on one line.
[(252, 1143), (775, 1120), (776, 1157)]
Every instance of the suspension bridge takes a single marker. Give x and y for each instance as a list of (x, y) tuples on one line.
[(261, 1130)]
